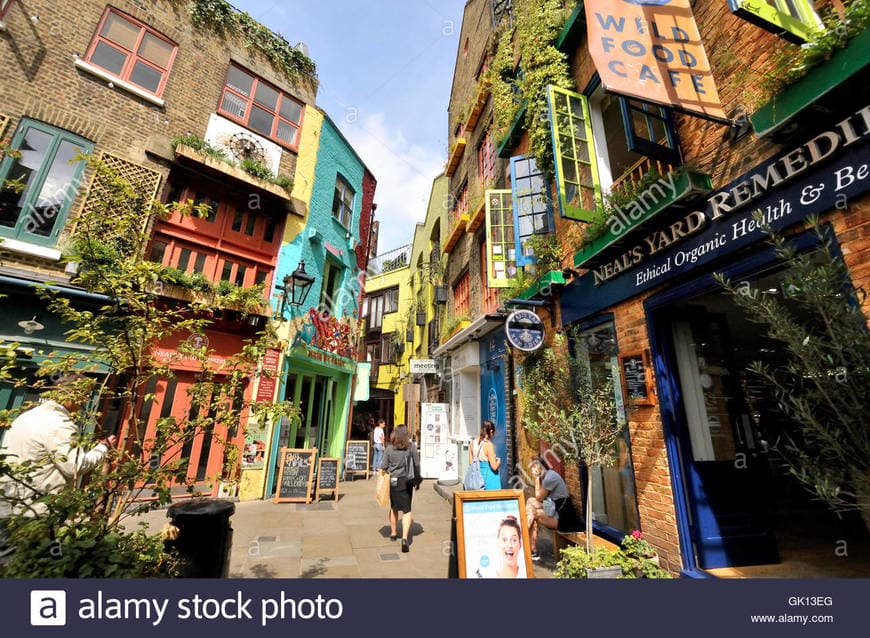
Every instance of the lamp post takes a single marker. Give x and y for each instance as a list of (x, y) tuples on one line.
[(296, 288)]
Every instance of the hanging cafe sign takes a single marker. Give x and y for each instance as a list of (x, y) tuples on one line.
[(651, 50), (825, 173)]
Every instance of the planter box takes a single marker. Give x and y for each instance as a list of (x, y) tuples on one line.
[(409, 335), (604, 572), (421, 319), (687, 187), (441, 294)]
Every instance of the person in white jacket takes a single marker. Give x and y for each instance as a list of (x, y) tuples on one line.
[(45, 438)]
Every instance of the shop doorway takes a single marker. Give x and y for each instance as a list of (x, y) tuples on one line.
[(741, 506)]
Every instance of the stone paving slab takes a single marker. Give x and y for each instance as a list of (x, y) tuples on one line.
[(344, 539)]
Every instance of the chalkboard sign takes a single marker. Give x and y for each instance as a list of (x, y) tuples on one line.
[(295, 475), (637, 378), (356, 458), (327, 476)]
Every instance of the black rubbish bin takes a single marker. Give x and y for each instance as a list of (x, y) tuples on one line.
[(205, 536)]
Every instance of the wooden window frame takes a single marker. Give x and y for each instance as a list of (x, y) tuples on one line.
[(486, 160), (249, 103), (518, 198), (462, 295), (132, 56), (490, 297), (342, 209), (33, 189)]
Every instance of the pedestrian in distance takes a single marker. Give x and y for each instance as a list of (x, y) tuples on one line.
[(483, 450), (551, 506), (378, 441), (402, 461)]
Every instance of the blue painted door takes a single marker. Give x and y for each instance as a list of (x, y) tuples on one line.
[(722, 461), (492, 379)]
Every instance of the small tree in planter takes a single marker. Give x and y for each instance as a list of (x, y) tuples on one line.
[(821, 385), (574, 410)]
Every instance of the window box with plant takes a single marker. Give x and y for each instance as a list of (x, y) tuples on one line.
[(822, 75), (249, 171), (633, 204)]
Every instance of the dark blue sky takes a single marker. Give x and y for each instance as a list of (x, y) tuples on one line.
[(385, 70)]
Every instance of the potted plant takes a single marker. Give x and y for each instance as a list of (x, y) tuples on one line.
[(635, 558), (440, 294)]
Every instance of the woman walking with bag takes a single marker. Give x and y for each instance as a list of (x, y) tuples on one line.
[(402, 461)]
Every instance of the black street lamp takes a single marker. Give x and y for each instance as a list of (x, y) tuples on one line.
[(296, 287)]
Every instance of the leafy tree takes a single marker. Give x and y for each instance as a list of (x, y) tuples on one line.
[(86, 530), (821, 386), (572, 408)]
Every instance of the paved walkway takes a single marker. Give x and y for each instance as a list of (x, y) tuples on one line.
[(349, 538)]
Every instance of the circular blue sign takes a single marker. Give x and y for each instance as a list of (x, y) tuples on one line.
[(524, 330)]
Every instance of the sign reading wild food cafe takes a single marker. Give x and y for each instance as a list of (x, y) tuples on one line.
[(821, 174)]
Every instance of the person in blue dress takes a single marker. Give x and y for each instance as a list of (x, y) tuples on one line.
[(483, 450)]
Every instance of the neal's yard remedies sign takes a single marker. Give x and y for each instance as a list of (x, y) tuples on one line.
[(652, 50), (820, 175)]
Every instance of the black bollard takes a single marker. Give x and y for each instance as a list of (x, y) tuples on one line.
[(205, 536)]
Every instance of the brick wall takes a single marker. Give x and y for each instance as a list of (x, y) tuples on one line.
[(39, 79)]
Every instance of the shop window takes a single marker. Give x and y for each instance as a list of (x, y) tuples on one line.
[(486, 160), (461, 296), (261, 107), (207, 205), (132, 52), (500, 239), (533, 209), (342, 201), (793, 20), (614, 498), (47, 171)]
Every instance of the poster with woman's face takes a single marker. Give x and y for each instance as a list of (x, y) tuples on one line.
[(493, 539)]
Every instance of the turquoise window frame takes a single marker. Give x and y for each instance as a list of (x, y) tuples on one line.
[(779, 19), (519, 198), (41, 175)]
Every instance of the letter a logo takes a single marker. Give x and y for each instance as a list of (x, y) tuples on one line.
[(47, 608)]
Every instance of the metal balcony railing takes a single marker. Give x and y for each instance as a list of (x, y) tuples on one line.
[(390, 260)]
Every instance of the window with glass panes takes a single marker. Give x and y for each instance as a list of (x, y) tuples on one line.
[(388, 350), (462, 296), (461, 207), (533, 209), (46, 177), (261, 107), (486, 160), (132, 51), (500, 239), (342, 201), (491, 296), (793, 20)]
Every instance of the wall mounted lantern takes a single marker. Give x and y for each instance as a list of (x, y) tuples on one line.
[(296, 288)]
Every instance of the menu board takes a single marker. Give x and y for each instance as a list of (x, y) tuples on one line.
[(327, 476), (295, 477), (637, 377), (356, 457)]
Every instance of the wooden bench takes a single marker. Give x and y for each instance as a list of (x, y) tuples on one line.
[(562, 540)]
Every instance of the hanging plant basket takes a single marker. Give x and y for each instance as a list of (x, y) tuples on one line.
[(409, 335), (421, 318), (441, 294), (399, 347)]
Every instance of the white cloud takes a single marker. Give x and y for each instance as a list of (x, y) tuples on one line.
[(404, 172)]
